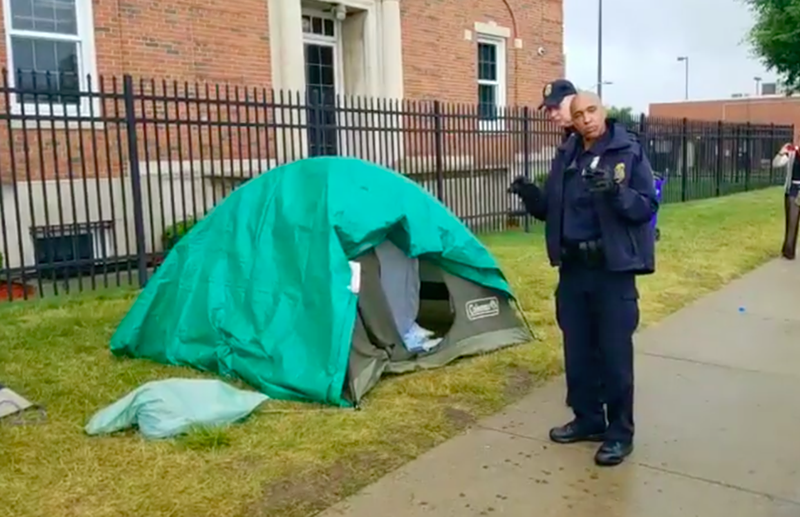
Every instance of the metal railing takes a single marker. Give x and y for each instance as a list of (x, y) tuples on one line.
[(97, 186)]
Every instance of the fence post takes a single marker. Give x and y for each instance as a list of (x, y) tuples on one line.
[(644, 139), (748, 146), (720, 154), (526, 149), (684, 159), (136, 179), (643, 129), (438, 145), (771, 149), (736, 158)]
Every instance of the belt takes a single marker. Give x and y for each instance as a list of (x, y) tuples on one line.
[(584, 253)]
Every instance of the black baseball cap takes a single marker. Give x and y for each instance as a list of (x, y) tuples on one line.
[(553, 93)]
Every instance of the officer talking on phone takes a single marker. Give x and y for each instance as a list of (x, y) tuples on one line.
[(597, 204)]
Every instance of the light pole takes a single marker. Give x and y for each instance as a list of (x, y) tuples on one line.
[(758, 85), (600, 48), (600, 85), (685, 60)]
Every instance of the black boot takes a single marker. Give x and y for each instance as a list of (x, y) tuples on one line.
[(613, 453), (574, 432)]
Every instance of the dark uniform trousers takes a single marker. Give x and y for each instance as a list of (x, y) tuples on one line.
[(598, 312), (791, 210)]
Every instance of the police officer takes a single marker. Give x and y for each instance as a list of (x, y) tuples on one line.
[(597, 204), (556, 99)]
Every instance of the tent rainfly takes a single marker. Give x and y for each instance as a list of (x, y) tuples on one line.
[(314, 279)]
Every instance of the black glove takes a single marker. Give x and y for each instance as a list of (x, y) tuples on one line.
[(519, 185), (527, 192), (600, 180), (522, 186)]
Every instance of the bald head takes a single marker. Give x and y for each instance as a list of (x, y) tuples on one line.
[(585, 98), (588, 116)]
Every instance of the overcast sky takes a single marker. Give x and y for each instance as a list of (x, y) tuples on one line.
[(640, 57)]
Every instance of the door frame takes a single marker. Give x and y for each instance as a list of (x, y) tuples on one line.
[(334, 42)]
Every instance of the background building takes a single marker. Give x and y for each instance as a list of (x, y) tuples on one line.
[(93, 167), (771, 106), (392, 48)]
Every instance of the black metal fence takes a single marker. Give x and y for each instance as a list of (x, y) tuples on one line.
[(97, 187)]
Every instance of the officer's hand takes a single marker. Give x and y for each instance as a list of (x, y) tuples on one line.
[(600, 180), (520, 185)]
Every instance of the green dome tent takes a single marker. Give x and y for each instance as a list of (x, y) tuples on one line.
[(291, 285)]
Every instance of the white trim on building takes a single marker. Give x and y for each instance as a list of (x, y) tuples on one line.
[(371, 45), (499, 83), (22, 27)]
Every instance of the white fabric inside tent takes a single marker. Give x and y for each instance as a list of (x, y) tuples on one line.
[(401, 285)]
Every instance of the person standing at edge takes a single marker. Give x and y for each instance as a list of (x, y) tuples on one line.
[(788, 158), (597, 204)]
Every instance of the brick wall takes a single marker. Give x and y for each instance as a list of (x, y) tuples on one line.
[(440, 63), (776, 110), (197, 41), (209, 41), (200, 40)]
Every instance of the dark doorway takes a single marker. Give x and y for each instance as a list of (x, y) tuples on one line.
[(321, 91)]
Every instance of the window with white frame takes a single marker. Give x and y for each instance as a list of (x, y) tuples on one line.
[(491, 78), (50, 47)]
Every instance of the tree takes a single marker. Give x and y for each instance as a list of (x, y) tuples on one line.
[(775, 37), (625, 113)]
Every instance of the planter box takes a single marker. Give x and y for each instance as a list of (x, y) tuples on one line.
[(19, 291)]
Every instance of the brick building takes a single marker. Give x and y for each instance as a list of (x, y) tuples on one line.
[(483, 53), (379, 48), (766, 109)]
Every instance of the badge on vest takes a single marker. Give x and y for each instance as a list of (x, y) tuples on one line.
[(619, 172)]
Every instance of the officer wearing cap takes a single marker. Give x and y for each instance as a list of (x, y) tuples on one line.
[(556, 99), (597, 204)]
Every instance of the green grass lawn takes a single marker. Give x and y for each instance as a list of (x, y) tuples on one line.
[(291, 459), (705, 183)]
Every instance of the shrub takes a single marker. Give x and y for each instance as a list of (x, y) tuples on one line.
[(173, 233)]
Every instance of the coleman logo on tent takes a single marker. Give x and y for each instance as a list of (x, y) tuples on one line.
[(483, 308)]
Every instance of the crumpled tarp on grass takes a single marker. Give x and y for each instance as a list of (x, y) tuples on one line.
[(162, 409)]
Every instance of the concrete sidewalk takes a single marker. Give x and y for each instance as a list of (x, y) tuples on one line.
[(718, 429)]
